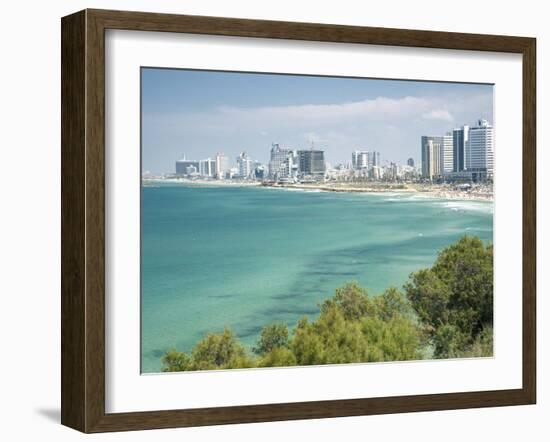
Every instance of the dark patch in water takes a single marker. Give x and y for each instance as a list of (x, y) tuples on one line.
[(157, 353), (297, 310), (328, 273), (288, 296), (247, 332), (223, 295)]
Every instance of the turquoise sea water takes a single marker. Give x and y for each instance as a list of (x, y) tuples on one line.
[(244, 257)]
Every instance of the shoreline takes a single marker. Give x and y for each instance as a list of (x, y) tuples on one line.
[(423, 191), (200, 183), (448, 194)]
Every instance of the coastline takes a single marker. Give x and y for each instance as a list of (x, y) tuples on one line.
[(434, 191), (149, 182)]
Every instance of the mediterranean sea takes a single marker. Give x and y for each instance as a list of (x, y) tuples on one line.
[(244, 257)]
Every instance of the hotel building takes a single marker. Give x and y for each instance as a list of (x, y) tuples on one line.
[(222, 165), (278, 157), (207, 167), (480, 151), (244, 164), (431, 149), (447, 155)]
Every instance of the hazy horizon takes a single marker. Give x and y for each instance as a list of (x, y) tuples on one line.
[(199, 113)]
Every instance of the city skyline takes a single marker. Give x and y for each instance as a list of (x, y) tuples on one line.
[(466, 152), (199, 113)]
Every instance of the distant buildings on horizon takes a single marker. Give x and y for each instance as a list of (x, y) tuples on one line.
[(465, 154), (288, 165), (284, 164)]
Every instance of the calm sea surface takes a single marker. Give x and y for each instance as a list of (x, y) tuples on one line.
[(244, 257)]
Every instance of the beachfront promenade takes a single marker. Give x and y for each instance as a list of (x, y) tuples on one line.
[(474, 192)]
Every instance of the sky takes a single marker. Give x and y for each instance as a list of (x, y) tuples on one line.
[(199, 113)]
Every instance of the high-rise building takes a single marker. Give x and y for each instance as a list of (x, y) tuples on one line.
[(207, 167), (289, 168), (183, 164), (312, 162), (278, 156), (460, 139), (244, 163), (374, 158), (480, 151), (222, 165), (410, 162), (360, 159), (447, 154), (431, 148)]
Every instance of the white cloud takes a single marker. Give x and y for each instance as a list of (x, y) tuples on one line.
[(391, 125), (302, 118), (312, 117), (438, 114), (381, 108)]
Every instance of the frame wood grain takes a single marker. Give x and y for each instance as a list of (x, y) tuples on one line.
[(83, 219)]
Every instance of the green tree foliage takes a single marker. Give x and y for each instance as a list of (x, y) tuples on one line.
[(272, 336), (454, 299), (354, 327), (398, 339), (483, 344), (391, 304), (277, 357), (446, 312), (174, 360), (220, 350), (351, 327), (331, 339), (350, 299), (215, 351)]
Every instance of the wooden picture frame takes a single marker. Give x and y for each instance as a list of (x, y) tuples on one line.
[(83, 219)]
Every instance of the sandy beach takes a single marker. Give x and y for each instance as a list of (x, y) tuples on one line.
[(429, 191), (441, 191), (200, 183)]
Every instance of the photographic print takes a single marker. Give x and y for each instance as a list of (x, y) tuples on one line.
[(298, 220)]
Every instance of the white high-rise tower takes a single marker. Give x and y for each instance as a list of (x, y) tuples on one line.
[(447, 154), (480, 150)]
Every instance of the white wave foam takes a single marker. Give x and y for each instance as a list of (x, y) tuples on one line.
[(298, 189), (476, 206)]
